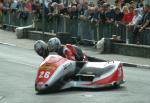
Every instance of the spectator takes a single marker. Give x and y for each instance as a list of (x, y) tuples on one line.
[(84, 14), (79, 9), (100, 2), (128, 16), (117, 4), (133, 4), (6, 5), (96, 15), (50, 11), (14, 5), (118, 16), (37, 11), (91, 13), (145, 22), (61, 8), (55, 6), (50, 8), (109, 14), (21, 5), (73, 3), (74, 13), (136, 19), (91, 4), (85, 5), (102, 14), (120, 3), (139, 4), (28, 6), (125, 9)]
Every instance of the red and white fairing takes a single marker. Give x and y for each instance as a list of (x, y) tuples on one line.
[(56, 73)]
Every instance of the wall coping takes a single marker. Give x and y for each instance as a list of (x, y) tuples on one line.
[(40, 32), (133, 45)]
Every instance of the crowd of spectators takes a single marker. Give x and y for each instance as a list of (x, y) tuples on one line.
[(123, 12)]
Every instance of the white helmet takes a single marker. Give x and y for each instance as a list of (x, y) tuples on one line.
[(40, 47), (53, 44)]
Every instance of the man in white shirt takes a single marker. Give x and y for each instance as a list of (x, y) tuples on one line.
[(136, 19), (14, 5)]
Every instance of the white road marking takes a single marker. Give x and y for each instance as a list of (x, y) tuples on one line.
[(9, 44), (88, 95)]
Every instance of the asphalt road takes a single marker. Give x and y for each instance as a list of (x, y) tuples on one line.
[(18, 72)]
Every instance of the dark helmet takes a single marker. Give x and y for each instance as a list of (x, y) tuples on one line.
[(53, 44), (40, 47)]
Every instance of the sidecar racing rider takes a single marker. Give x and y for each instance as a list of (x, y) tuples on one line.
[(41, 48), (68, 51)]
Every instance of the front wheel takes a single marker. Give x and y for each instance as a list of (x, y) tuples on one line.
[(117, 84)]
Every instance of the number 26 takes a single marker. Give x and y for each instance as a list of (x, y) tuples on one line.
[(44, 74)]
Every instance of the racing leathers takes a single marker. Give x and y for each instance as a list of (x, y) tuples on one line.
[(68, 51), (71, 52)]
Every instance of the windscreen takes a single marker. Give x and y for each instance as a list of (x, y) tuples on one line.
[(51, 59)]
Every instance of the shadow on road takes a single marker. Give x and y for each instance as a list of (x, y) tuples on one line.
[(79, 90)]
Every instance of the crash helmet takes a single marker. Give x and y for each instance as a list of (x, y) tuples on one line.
[(53, 44), (40, 47)]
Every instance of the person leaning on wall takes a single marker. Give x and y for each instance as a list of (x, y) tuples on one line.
[(136, 19), (145, 22)]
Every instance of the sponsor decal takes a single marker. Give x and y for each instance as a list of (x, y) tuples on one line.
[(47, 67)]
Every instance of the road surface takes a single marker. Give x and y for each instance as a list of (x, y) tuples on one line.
[(18, 68)]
